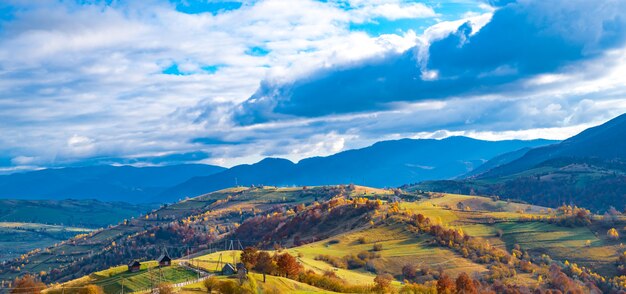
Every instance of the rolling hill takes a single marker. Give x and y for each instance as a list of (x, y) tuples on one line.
[(588, 169), (343, 237), (384, 164)]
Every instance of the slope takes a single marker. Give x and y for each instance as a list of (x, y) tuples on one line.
[(606, 142), (360, 233), (588, 170)]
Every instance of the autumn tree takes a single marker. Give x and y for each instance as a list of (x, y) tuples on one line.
[(383, 282), (165, 288), (211, 284), (249, 257), (409, 272), (265, 264), (465, 284), (228, 287), (287, 265), (91, 289), (613, 234), (28, 284), (445, 285)]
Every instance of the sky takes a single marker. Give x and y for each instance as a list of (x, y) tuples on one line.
[(160, 82)]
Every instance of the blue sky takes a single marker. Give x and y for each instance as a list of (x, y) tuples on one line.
[(230, 82)]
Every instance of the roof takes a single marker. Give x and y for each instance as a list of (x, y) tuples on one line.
[(228, 266), (240, 265), (134, 262), (163, 257)]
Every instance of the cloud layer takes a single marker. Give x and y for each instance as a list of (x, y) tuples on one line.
[(156, 82), (523, 40)]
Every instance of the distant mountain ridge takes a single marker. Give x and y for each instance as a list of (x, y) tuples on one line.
[(384, 164), (105, 182), (588, 169), (607, 141)]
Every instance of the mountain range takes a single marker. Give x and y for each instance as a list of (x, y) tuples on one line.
[(384, 164), (588, 169), (104, 182)]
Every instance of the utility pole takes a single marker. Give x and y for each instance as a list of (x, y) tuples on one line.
[(219, 262), (151, 278)]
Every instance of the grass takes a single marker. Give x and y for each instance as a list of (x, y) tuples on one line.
[(112, 280), (488, 217), (498, 222), (399, 247), (272, 285)]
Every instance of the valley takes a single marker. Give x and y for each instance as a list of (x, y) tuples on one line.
[(27, 225)]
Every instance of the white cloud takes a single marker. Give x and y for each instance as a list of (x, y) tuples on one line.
[(95, 70), (82, 81), (392, 10)]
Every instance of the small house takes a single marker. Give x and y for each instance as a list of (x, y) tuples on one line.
[(134, 266), (164, 260), (228, 269), (242, 268)]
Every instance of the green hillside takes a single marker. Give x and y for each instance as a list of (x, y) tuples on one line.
[(593, 183), (352, 235), (188, 225)]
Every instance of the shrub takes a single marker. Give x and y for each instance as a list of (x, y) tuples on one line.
[(445, 285), (27, 284), (334, 261), (211, 283), (330, 281), (409, 272), (354, 262), (228, 287), (377, 247), (383, 282), (333, 242), (165, 288), (91, 289)]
